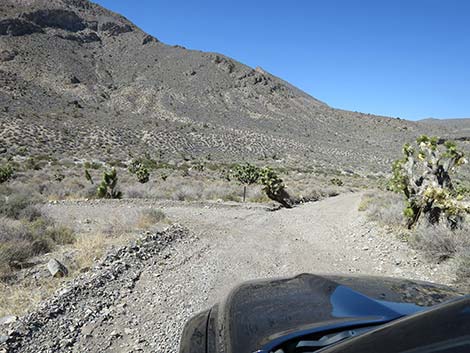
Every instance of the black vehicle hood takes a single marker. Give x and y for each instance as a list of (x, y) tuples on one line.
[(258, 315)]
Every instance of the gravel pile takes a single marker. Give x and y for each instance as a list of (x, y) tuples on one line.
[(58, 322)]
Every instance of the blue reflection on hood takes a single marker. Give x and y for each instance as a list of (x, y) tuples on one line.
[(349, 303)]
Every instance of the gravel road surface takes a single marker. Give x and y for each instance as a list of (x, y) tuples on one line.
[(223, 245)]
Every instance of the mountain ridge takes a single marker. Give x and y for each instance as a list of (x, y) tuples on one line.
[(78, 79)]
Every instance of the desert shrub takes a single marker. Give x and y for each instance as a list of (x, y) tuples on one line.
[(198, 167), (21, 240), (384, 207), (6, 173), (108, 187), (336, 181), (364, 204), (188, 192), (438, 242), (19, 203), (423, 176), (150, 217), (463, 268), (60, 235), (91, 165), (145, 161)]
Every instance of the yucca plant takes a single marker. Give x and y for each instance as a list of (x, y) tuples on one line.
[(107, 189)]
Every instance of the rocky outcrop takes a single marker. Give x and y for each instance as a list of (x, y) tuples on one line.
[(18, 27), (83, 4), (114, 29), (90, 37), (56, 18), (149, 39)]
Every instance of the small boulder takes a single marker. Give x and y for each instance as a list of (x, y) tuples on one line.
[(7, 55), (56, 268), (148, 39), (74, 80), (6, 320)]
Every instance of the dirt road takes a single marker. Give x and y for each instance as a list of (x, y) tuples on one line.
[(234, 244)]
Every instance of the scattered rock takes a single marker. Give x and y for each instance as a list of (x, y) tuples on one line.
[(56, 268)]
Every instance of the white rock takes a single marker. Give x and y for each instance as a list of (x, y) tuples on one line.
[(56, 268)]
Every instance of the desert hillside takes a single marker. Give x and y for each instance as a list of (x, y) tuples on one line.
[(79, 80)]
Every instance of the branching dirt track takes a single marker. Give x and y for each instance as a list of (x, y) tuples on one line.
[(234, 244)]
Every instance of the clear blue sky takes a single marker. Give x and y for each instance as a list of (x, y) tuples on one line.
[(405, 58)]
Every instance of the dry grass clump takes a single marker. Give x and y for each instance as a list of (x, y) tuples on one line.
[(18, 298), (385, 208), (439, 243), (150, 217), (21, 240), (24, 231)]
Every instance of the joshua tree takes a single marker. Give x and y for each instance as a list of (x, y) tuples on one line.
[(274, 187), (246, 174), (142, 175), (138, 168), (108, 187), (424, 177)]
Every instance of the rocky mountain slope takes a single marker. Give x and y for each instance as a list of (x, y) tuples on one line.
[(79, 80), (460, 128)]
